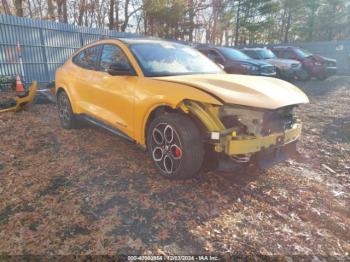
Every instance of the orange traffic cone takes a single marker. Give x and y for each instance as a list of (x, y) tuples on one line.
[(19, 87)]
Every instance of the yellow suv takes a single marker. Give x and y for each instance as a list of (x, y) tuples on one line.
[(179, 105)]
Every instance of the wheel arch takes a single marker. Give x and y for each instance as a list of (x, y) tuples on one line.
[(154, 112), (60, 89), (200, 119)]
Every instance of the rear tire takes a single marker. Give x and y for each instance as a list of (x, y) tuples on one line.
[(65, 113), (175, 145)]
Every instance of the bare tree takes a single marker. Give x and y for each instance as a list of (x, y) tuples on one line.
[(81, 12), (59, 4), (19, 7), (117, 15), (111, 15), (194, 8), (65, 11), (6, 7), (50, 10), (238, 16), (127, 15)]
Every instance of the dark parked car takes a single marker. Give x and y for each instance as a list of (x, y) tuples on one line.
[(236, 62), (313, 65)]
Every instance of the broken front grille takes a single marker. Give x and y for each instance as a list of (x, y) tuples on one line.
[(279, 120)]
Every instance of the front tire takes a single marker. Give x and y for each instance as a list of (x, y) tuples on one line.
[(67, 118), (175, 145), (304, 75)]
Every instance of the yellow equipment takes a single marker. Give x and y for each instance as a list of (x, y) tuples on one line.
[(21, 101)]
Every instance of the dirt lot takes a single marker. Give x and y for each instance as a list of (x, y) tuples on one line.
[(89, 192)]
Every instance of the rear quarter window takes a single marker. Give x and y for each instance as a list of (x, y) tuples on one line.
[(88, 58)]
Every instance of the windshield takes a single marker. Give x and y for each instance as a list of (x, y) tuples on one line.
[(167, 59), (303, 53), (265, 54), (233, 54)]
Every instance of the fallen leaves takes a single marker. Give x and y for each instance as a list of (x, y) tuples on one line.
[(163, 234), (86, 191)]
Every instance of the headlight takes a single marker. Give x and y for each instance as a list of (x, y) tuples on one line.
[(245, 119), (251, 67), (318, 64), (257, 122), (295, 65)]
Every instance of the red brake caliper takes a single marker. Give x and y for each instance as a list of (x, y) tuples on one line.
[(177, 152)]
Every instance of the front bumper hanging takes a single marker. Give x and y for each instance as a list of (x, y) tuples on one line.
[(237, 146), (19, 102)]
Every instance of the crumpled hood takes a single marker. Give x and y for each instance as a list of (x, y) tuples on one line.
[(253, 91)]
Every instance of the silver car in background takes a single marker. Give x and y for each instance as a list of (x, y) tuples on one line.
[(285, 68)]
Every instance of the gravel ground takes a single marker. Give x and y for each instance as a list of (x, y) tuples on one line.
[(87, 191)]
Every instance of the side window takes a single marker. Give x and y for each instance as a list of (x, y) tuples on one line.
[(88, 58), (251, 54), (112, 54), (214, 56), (287, 54)]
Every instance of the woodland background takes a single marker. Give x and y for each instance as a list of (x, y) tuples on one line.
[(226, 22)]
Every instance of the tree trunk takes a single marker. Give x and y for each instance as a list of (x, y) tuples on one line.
[(286, 34), (191, 20), (283, 24), (126, 16), (312, 19), (6, 7), (30, 9), (19, 7), (59, 10), (111, 15), (238, 14), (81, 12), (117, 15), (145, 22), (332, 23), (65, 13), (50, 10)]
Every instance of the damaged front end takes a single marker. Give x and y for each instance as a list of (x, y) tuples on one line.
[(242, 135)]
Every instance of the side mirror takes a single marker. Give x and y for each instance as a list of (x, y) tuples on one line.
[(120, 70)]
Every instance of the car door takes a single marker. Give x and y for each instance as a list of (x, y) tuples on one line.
[(86, 73), (288, 54), (230, 66), (114, 94)]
